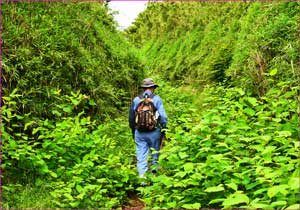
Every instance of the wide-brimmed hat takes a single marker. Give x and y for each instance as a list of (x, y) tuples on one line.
[(148, 82)]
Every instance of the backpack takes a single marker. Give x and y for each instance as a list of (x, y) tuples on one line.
[(145, 119)]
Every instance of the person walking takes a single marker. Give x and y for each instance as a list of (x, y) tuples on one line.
[(147, 130)]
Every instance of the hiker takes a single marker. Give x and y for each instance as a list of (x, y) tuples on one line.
[(147, 135)]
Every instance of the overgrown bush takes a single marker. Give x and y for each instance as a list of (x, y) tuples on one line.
[(65, 65), (237, 152), (231, 43), (66, 46), (81, 164)]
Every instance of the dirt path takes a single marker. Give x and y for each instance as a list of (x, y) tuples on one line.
[(134, 203)]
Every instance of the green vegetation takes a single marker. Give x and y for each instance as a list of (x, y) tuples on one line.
[(233, 43), (78, 162), (240, 152), (229, 80), (66, 47)]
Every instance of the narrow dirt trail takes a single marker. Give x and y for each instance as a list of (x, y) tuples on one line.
[(134, 203)]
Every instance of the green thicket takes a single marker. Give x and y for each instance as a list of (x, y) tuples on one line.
[(60, 47), (74, 161), (234, 145), (229, 151), (235, 43), (66, 69)]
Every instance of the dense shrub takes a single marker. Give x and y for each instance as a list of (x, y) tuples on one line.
[(232, 151), (67, 47), (231, 43), (81, 164), (68, 74)]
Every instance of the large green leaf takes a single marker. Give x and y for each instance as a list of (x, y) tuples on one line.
[(215, 189), (235, 199)]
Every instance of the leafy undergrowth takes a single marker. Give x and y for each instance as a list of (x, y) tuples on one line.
[(78, 163), (233, 151), (225, 149), (71, 162)]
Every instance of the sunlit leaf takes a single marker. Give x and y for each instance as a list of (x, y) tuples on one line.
[(273, 72), (249, 111), (192, 206), (253, 101), (235, 199), (188, 167), (293, 207), (215, 189), (278, 203), (44, 168), (53, 174), (232, 186), (78, 188), (274, 190)]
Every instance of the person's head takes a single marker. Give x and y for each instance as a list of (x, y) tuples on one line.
[(148, 84)]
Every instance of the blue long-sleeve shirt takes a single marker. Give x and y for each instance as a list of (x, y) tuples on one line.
[(162, 120)]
